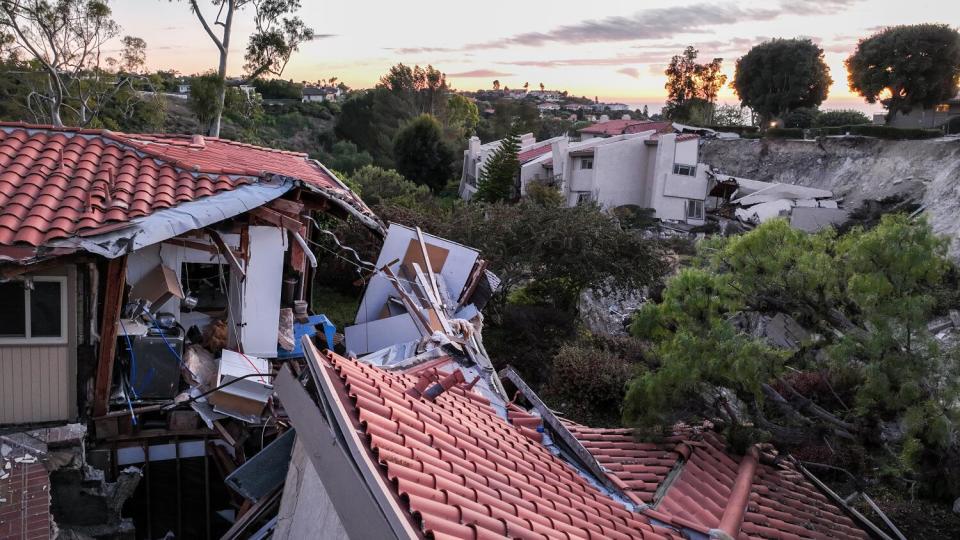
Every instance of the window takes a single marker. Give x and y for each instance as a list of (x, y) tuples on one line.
[(694, 209), (586, 163), (584, 198), (36, 314), (943, 107), (684, 170)]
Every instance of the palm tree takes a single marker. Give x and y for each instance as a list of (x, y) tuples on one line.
[(541, 87), (496, 84)]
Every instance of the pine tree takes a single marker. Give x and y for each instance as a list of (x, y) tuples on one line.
[(498, 177)]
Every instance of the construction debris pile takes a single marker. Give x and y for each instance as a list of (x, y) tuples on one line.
[(752, 202)]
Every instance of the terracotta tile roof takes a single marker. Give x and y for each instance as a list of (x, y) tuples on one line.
[(641, 466), (58, 182), (782, 503), (619, 127), (463, 471), (528, 155)]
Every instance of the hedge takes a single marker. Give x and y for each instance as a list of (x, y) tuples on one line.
[(880, 132), (784, 133), (734, 129)]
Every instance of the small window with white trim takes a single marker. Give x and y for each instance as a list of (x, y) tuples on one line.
[(34, 312), (684, 170), (694, 209), (586, 163)]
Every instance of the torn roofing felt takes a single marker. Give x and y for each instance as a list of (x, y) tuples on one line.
[(59, 183)]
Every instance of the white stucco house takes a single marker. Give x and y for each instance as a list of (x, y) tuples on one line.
[(649, 169), (322, 93)]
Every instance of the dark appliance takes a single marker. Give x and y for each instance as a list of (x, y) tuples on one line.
[(154, 369)]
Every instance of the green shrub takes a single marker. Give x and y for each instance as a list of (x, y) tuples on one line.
[(880, 132), (953, 126), (841, 117), (802, 118), (784, 133), (587, 383)]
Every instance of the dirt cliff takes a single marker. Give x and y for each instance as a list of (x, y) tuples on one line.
[(856, 169)]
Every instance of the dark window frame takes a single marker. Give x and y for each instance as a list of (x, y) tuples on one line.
[(28, 338)]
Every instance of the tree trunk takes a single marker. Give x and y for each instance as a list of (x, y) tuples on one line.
[(222, 70)]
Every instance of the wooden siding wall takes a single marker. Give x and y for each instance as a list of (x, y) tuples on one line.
[(34, 385), (38, 382)]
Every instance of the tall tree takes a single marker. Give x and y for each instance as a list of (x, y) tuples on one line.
[(541, 87), (496, 84), (462, 116), (691, 85), (277, 35), (65, 38), (422, 155), (498, 178), (778, 76), (904, 67)]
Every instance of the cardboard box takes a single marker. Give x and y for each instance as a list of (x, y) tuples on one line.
[(158, 286), (246, 398)]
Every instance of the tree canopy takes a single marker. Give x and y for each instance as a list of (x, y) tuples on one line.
[(498, 177), (866, 298), (422, 155), (903, 67), (692, 86), (277, 34), (778, 76)]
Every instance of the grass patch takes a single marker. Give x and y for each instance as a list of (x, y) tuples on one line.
[(339, 307)]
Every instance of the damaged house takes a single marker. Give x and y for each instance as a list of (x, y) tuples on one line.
[(130, 264), (162, 375)]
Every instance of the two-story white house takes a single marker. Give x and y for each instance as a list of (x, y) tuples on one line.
[(650, 169)]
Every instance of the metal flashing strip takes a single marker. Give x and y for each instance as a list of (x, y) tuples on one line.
[(170, 222), (583, 456)]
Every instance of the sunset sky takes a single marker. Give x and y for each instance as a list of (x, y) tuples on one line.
[(613, 49)]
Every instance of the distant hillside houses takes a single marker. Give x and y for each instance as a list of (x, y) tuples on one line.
[(614, 163), (320, 93)]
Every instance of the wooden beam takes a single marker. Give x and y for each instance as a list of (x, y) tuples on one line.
[(285, 206), (227, 253), (116, 280), (199, 246), (276, 218)]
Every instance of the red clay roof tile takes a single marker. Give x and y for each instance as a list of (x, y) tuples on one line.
[(56, 182), (465, 472), (782, 502)]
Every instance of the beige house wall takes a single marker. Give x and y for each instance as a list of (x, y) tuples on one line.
[(38, 382)]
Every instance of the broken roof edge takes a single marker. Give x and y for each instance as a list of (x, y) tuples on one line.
[(583, 459), (357, 208), (174, 221), (320, 367)]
